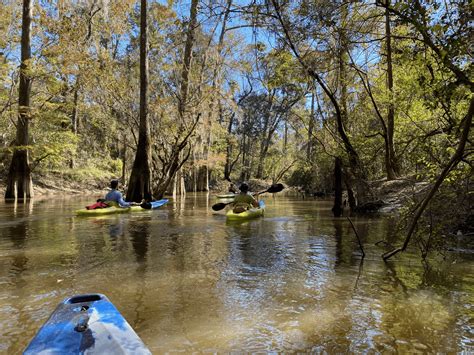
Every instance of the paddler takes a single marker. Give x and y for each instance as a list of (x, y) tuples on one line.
[(243, 201), (115, 196)]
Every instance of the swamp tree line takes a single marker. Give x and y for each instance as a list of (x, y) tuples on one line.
[(175, 96)]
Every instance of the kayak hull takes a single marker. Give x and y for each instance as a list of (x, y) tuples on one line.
[(249, 214), (113, 209), (86, 324), (226, 196), (102, 211)]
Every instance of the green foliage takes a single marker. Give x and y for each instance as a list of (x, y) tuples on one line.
[(98, 169), (281, 68), (302, 176)]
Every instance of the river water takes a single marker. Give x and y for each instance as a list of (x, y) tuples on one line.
[(187, 281)]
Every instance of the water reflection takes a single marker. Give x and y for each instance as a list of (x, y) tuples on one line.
[(139, 236), (18, 235), (116, 230)]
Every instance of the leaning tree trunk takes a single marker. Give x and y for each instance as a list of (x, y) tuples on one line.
[(139, 186), (391, 164), (19, 183)]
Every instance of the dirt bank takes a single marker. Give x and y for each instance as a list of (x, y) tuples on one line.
[(394, 194), (55, 186)]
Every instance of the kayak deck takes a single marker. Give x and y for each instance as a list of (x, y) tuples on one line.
[(248, 214), (86, 324)]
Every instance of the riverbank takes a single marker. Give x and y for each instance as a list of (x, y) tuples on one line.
[(389, 196), (55, 185), (392, 195)]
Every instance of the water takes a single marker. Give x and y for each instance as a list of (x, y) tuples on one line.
[(187, 281)]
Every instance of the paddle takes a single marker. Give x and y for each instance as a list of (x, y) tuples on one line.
[(145, 205), (272, 189)]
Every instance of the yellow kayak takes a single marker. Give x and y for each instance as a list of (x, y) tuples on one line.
[(116, 209), (102, 211), (248, 214)]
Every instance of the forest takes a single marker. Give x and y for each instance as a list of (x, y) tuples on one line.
[(329, 97)]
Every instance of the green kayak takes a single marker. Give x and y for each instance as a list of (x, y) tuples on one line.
[(249, 214), (230, 195)]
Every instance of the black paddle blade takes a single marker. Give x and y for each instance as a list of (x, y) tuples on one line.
[(275, 188), (219, 206), (146, 205)]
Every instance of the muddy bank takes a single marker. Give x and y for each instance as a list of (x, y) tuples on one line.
[(394, 194), (47, 186), (388, 196)]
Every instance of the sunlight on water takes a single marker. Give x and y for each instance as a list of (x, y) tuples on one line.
[(187, 281)]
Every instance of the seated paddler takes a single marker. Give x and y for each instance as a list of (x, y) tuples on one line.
[(114, 196), (243, 201)]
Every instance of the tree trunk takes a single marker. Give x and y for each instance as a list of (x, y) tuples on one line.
[(184, 91), (391, 165), (350, 197), (266, 136), (261, 159), (139, 186), (124, 158), (19, 183), (227, 167), (74, 116), (179, 188), (243, 172), (309, 147), (337, 208)]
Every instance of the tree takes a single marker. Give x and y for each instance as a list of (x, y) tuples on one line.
[(286, 29), (391, 165), (172, 158), (19, 182), (444, 33), (139, 186)]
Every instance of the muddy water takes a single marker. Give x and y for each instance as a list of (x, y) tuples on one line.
[(187, 281)]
